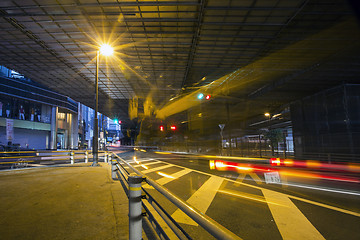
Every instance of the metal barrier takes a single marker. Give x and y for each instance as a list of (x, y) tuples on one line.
[(164, 225), (23, 159)]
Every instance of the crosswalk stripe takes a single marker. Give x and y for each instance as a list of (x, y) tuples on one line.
[(239, 179), (255, 177), (176, 175), (146, 164), (156, 169), (145, 160), (201, 199), (165, 180), (292, 224), (242, 176)]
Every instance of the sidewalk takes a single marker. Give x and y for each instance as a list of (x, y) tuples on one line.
[(67, 202)]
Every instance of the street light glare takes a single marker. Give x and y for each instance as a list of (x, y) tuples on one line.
[(106, 50), (267, 114)]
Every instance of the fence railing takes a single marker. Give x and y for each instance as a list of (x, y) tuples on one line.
[(165, 226), (22, 159)]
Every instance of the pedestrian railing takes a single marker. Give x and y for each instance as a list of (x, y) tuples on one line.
[(23, 159), (145, 206)]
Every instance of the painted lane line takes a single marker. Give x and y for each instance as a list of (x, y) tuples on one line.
[(292, 224), (297, 198), (242, 176), (356, 214), (146, 164), (146, 160), (239, 179), (256, 178), (333, 190), (165, 180), (176, 175), (156, 169), (201, 199)]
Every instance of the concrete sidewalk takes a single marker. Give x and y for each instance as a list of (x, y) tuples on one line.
[(70, 202)]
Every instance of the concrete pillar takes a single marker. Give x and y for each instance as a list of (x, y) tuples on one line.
[(74, 131), (53, 127), (66, 139), (69, 131)]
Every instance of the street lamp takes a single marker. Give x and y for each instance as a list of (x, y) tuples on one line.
[(105, 50), (268, 116)]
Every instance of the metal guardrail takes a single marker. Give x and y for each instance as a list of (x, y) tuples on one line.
[(165, 226), (22, 159)]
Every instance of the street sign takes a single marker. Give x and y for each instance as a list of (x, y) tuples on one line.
[(272, 177)]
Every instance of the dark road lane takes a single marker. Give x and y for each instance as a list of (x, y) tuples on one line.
[(251, 206)]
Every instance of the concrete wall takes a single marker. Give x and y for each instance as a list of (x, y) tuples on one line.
[(328, 123)]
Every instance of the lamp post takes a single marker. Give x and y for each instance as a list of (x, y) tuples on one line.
[(268, 115), (221, 126), (106, 50)]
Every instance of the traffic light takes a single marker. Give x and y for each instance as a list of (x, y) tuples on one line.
[(116, 121), (162, 128), (202, 96), (173, 127)]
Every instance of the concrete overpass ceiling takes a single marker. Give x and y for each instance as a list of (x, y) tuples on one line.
[(285, 49)]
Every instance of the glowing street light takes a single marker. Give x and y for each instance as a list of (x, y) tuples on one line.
[(268, 115), (105, 50)]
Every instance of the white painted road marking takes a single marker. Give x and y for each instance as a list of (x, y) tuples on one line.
[(201, 199), (291, 222), (165, 180), (156, 169), (242, 176), (146, 164), (176, 175)]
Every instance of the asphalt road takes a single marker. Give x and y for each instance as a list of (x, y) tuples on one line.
[(256, 200)]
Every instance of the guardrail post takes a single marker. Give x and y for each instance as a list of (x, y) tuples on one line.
[(86, 157), (72, 157), (105, 157), (113, 170), (135, 216), (109, 157)]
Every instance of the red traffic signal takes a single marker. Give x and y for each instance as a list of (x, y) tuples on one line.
[(173, 127), (208, 97), (162, 128)]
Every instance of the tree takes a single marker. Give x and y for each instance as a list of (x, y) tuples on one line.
[(275, 136)]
